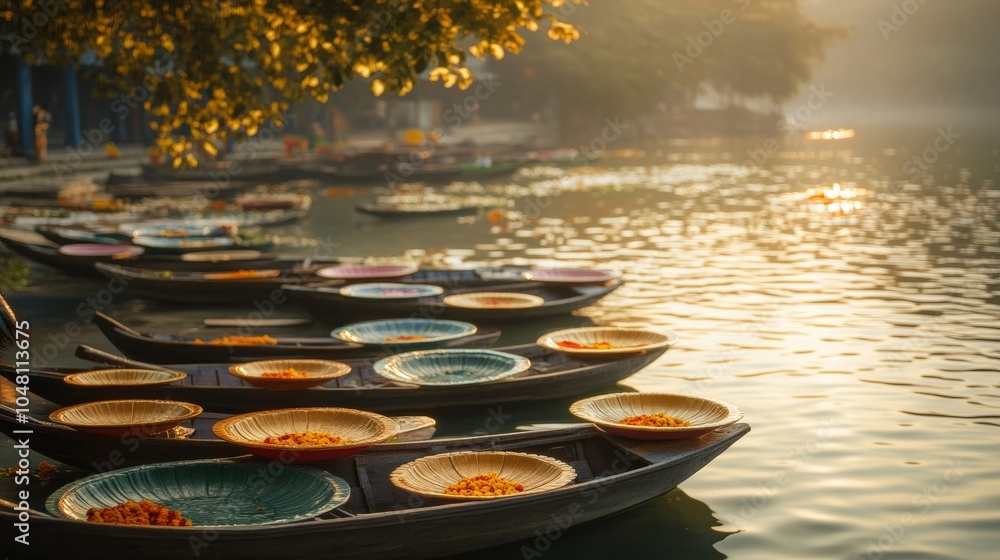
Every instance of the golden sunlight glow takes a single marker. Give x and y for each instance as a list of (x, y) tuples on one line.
[(835, 199), (839, 134)]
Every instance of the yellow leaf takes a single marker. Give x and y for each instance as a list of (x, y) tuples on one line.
[(275, 50), (377, 87), (211, 126), (210, 148), (178, 161)]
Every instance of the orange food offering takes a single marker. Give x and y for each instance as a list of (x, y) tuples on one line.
[(404, 338), (658, 420), (601, 345), (236, 274), (239, 340), (484, 485), (290, 373), (138, 513), (306, 438)]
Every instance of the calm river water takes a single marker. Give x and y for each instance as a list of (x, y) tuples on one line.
[(860, 338)]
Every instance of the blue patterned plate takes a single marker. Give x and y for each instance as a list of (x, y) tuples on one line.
[(451, 366), (403, 331), (390, 290), (211, 493)]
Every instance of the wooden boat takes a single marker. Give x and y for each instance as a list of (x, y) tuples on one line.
[(416, 210), (184, 245), (379, 521), (176, 282), (45, 252), (203, 287), (70, 235), (251, 171), (207, 188), (193, 439), (8, 322), (553, 375), (325, 302), (169, 349)]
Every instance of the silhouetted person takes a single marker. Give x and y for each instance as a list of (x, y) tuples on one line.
[(42, 119)]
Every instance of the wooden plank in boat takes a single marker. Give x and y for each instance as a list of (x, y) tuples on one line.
[(247, 322)]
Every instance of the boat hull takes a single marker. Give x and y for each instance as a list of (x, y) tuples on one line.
[(324, 303), (398, 525), (167, 350), (553, 376)]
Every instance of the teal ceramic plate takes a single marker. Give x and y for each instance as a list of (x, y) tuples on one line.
[(211, 493), (184, 242), (403, 331), (451, 366)]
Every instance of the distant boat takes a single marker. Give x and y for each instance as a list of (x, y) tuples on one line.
[(410, 210)]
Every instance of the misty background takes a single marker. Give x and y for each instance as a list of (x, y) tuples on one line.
[(919, 62)]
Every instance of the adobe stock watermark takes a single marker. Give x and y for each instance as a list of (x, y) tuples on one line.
[(922, 503), (920, 163), (454, 117), (32, 23), (122, 107), (900, 16), (560, 521), (248, 152), (819, 96), (254, 483), (72, 329), (714, 28), (495, 421), (722, 361), (767, 489)]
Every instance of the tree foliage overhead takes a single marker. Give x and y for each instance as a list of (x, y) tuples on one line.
[(631, 56), (205, 67)]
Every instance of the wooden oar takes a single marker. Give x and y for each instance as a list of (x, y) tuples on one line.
[(107, 358), (33, 512), (553, 426)]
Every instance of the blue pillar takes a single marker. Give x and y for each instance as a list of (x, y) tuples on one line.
[(25, 122), (118, 132), (72, 99)]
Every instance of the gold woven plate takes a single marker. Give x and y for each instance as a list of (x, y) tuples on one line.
[(607, 411), (621, 341), (120, 418), (123, 377), (429, 476), (319, 371), (361, 430), (494, 300)]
